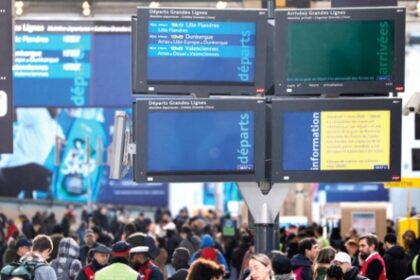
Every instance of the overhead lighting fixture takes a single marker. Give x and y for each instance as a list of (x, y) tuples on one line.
[(221, 4), (86, 8), (19, 8), (154, 4)]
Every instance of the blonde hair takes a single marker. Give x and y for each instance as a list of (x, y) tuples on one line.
[(265, 261), (323, 259)]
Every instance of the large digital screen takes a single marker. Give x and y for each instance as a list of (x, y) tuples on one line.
[(199, 140), (68, 63), (340, 51), (200, 51), (336, 140), (6, 92)]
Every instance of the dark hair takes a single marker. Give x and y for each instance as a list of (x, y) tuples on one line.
[(203, 269), (334, 271), (41, 243), (305, 244), (129, 229), (371, 239), (180, 258), (391, 238)]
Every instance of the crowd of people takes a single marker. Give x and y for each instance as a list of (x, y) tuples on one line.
[(104, 245)]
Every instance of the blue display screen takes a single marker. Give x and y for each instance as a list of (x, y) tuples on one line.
[(201, 51), (188, 142), (70, 64)]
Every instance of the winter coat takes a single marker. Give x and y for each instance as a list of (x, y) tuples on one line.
[(303, 266), (396, 263)]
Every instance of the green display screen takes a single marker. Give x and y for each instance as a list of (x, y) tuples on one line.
[(340, 51)]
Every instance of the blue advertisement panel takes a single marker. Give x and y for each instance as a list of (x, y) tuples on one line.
[(69, 64), (354, 192), (71, 170), (6, 92)]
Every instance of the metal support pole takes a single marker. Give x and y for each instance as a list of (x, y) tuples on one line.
[(264, 203)]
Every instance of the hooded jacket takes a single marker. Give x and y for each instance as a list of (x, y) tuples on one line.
[(66, 265), (396, 263), (207, 242)]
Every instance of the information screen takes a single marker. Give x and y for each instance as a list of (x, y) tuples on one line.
[(336, 140), (223, 141), (195, 49), (340, 51), (348, 51), (6, 94), (187, 50), (184, 140), (64, 63)]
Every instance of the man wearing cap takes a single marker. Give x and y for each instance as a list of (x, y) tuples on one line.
[(373, 266), (100, 260), (119, 269), (90, 243), (343, 260), (141, 262)]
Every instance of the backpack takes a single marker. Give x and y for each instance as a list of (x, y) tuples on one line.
[(414, 265), (208, 253), (298, 272), (24, 270)]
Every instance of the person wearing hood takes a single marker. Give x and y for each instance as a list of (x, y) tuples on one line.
[(67, 265), (209, 252), (396, 260), (343, 260), (100, 259), (308, 249)]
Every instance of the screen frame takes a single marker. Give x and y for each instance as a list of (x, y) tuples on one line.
[(141, 85), (141, 173), (282, 87), (280, 106)]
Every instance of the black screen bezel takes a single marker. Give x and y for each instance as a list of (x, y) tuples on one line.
[(142, 85), (142, 174)]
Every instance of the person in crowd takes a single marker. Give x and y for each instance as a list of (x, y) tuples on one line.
[(282, 267), (352, 248), (41, 249), (16, 250), (180, 260), (343, 260), (140, 261), (334, 272), (11, 229), (302, 262), (396, 260), (322, 262), (27, 228), (411, 244), (202, 269), (245, 241), (373, 266), (100, 259), (322, 240), (67, 265), (170, 241), (90, 243), (292, 245), (56, 238), (260, 268), (209, 252), (189, 239), (119, 269)]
